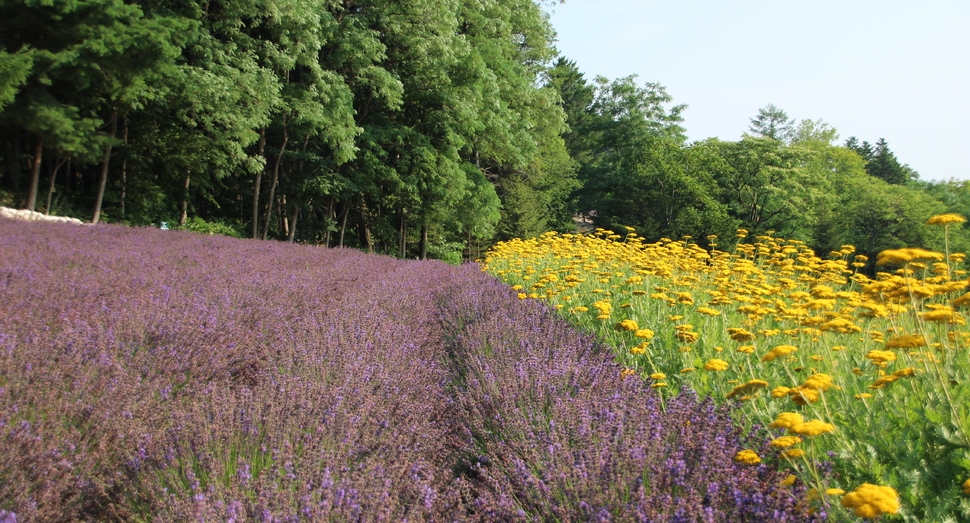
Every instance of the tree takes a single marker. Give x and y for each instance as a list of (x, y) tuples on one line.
[(885, 166), (765, 186), (814, 131), (881, 216), (864, 149), (14, 69), (881, 162), (773, 123), (626, 117), (577, 98), (91, 61)]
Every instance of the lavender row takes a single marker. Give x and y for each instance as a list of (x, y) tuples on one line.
[(152, 375), (562, 435)]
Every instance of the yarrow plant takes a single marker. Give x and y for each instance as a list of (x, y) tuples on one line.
[(874, 363)]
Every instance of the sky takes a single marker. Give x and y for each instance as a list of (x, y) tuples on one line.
[(892, 69)]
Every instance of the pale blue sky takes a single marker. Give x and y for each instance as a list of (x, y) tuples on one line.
[(892, 69)]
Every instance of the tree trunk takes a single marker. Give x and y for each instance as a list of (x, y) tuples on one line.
[(259, 177), (35, 174), (424, 241), (276, 178), (103, 181), (185, 199), (330, 214), (286, 221), (343, 222), (365, 229), (124, 167), (50, 189), (296, 213), (402, 243)]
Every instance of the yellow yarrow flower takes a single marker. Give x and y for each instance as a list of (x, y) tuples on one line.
[(781, 392), (644, 333), (658, 376), (804, 396), (708, 311), (871, 501), (687, 336), (908, 255), (811, 428), (822, 382), (780, 350), (716, 365), (627, 325), (946, 219), (944, 316), (881, 357), (792, 453), (740, 335), (784, 442), (748, 457), (785, 420)]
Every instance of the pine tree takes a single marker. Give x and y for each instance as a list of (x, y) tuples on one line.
[(773, 123), (884, 165)]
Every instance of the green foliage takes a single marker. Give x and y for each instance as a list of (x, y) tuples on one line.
[(765, 186), (881, 162), (884, 165), (814, 131), (772, 123), (367, 119), (198, 225), (14, 68), (391, 125), (448, 252)]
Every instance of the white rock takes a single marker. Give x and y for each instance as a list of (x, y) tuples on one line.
[(24, 214)]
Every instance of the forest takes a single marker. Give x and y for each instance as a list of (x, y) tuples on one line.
[(417, 129)]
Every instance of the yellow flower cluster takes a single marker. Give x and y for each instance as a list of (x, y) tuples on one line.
[(716, 365), (811, 428), (809, 391), (765, 315), (748, 457), (795, 424), (946, 219), (871, 501), (780, 350), (627, 325)]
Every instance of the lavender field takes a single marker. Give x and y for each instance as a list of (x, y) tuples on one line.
[(151, 375)]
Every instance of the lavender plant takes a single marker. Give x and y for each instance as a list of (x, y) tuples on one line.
[(563, 435), (168, 376)]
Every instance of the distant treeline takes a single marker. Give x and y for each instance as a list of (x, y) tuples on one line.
[(414, 128)]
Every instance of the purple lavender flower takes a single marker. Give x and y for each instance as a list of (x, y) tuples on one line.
[(186, 378)]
